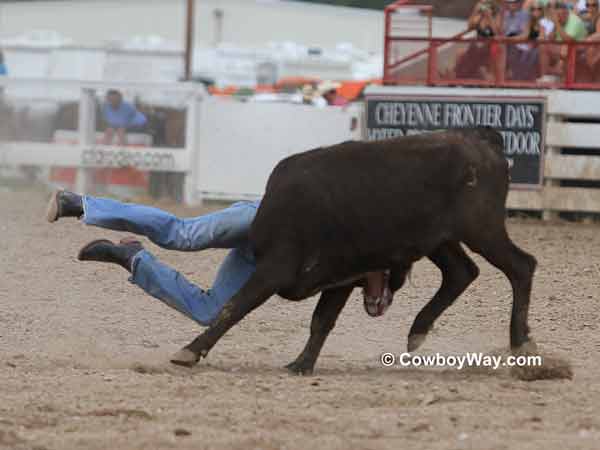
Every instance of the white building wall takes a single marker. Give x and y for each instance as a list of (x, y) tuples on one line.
[(245, 22), (240, 143)]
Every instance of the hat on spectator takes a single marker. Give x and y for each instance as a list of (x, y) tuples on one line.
[(327, 86)]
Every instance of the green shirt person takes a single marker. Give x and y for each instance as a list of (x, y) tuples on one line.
[(567, 25)]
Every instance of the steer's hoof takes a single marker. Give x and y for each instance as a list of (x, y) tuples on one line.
[(539, 366), (297, 368), (185, 357), (528, 348), (415, 341)]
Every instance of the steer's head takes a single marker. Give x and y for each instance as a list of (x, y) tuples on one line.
[(377, 294), (379, 288)]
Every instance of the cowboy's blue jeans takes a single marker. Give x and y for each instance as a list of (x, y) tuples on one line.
[(227, 228)]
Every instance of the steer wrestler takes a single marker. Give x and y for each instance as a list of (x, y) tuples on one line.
[(227, 228)]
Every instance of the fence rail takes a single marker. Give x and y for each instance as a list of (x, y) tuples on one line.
[(98, 156), (227, 152), (85, 153), (495, 62)]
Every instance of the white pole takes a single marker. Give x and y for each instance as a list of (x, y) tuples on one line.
[(191, 194), (87, 134)]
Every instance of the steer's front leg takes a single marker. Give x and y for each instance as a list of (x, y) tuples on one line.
[(329, 307), (254, 293)]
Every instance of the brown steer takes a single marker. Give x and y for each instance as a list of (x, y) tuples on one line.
[(332, 214)]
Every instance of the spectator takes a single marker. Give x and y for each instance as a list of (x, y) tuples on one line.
[(579, 6), (591, 19), (540, 26), (524, 58), (515, 22), (475, 60), (328, 90), (308, 93), (567, 27), (3, 70), (515, 19), (574, 5), (311, 96), (120, 116)]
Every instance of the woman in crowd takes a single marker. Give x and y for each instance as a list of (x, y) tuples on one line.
[(591, 19), (476, 59), (523, 62), (567, 28)]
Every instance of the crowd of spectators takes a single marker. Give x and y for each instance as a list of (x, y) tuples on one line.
[(533, 36)]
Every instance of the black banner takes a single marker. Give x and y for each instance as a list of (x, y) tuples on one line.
[(519, 120)]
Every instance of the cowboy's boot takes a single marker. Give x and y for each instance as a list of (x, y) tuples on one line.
[(103, 250), (64, 204)]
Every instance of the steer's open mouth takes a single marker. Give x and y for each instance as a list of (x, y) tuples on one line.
[(377, 305)]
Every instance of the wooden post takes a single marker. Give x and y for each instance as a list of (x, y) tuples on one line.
[(87, 135), (191, 194), (386, 47), (189, 39)]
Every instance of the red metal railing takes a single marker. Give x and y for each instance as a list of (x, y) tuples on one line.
[(430, 64), (494, 59), (425, 13)]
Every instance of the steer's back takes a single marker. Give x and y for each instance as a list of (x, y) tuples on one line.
[(358, 200)]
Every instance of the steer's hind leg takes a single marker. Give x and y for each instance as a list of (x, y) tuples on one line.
[(264, 282), (518, 266), (458, 272), (329, 307)]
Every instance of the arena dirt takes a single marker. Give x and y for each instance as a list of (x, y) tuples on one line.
[(84, 356)]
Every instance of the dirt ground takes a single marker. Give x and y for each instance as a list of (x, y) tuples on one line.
[(84, 356)]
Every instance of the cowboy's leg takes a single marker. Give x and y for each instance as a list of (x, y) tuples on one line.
[(227, 228), (172, 288)]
